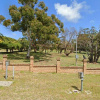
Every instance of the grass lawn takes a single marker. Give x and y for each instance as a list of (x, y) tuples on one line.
[(48, 59), (49, 86)]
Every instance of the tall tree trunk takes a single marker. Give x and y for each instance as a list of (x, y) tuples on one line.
[(6, 49), (21, 49), (79, 51), (91, 54), (95, 55), (97, 58), (35, 49), (45, 50), (28, 52), (98, 55), (29, 48), (10, 50), (58, 51)]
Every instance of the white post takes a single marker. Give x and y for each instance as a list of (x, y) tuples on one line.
[(76, 50), (6, 71), (13, 72)]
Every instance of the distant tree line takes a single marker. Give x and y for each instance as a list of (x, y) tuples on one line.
[(89, 41), (13, 44)]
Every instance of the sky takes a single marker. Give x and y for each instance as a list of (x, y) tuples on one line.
[(73, 13)]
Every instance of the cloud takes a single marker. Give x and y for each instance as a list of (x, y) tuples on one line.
[(73, 12)]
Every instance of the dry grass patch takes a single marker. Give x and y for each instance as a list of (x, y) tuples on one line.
[(40, 58), (49, 86)]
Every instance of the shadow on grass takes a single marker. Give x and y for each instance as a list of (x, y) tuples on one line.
[(98, 62), (75, 88), (69, 56), (38, 56), (80, 53)]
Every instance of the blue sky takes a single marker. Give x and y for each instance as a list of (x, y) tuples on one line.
[(73, 13)]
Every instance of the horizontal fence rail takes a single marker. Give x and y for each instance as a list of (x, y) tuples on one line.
[(19, 65), (55, 68), (93, 69), (71, 67), (44, 66)]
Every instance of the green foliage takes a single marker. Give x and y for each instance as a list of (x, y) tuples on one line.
[(24, 43), (83, 42), (9, 43), (27, 12), (1, 35), (7, 22), (32, 20), (15, 14), (90, 41), (1, 18), (15, 27), (41, 4), (27, 18), (28, 2)]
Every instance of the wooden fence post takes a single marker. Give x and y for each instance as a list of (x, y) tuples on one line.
[(84, 65), (31, 63), (4, 62), (58, 65)]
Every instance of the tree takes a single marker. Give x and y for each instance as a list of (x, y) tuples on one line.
[(67, 40), (83, 42), (24, 44), (33, 22), (9, 43), (93, 45), (1, 35), (97, 47), (89, 41)]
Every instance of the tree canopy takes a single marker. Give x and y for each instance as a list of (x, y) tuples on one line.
[(89, 40), (9, 43), (32, 20)]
